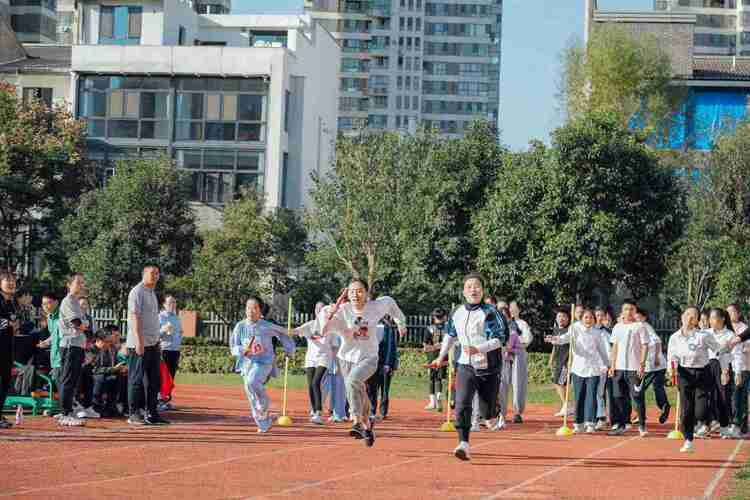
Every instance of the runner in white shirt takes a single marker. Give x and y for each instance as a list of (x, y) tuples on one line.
[(656, 368), (520, 372), (688, 353), (720, 368), (741, 368), (356, 323), (590, 360), (317, 359), (628, 367)]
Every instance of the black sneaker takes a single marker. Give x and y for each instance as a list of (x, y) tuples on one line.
[(136, 419), (665, 413), (155, 419), (357, 432), (517, 419), (4, 424), (369, 438)]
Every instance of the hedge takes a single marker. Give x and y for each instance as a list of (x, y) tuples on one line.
[(208, 356)]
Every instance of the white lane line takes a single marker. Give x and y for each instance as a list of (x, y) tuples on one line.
[(378, 469), (25, 491), (554, 471), (708, 493)]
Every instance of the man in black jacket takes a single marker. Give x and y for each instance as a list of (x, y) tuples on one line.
[(9, 327)]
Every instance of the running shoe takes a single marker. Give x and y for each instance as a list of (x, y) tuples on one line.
[(315, 419), (665, 413), (600, 425), (462, 451), (4, 424), (88, 413), (136, 419), (642, 432), (517, 419), (475, 427), (687, 447), (71, 421), (357, 431), (702, 432), (589, 428), (715, 426), (369, 438), (619, 431), (155, 419), (577, 428)]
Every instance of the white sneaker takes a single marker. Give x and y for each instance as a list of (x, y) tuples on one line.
[(615, 427), (577, 428), (91, 413), (72, 422), (627, 427), (462, 451), (643, 432), (687, 447), (702, 432), (715, 426), (491, 425), (315, 419), (475, 427), (430, 406), (600, 425), (590, 428), (562, 412), (734, 432)]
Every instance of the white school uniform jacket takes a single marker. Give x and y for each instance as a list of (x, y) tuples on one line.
[(481, 326), (693, 350), (590, 350), (631, 339), (318, 348), (358, 331)]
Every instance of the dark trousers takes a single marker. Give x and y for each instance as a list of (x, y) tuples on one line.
[(314, 378), (612, 406), (144, 379), (468, 383), (624, 386), (436, 380), (740, 401), (172, 360), (86, 386), (70, 373), (584, 389), (379, 385), (658, 379), (693, 384), (720, 396), (105, 390)]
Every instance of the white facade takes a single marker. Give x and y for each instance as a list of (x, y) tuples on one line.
[(302, 74)]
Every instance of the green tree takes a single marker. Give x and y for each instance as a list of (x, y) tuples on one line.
[(252, 253), (621, 73), (141, 216), (594, 209), (42, 174)]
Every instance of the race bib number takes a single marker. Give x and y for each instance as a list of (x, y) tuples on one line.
[(362, 332), (256, 348)]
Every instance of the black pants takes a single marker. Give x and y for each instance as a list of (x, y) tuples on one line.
[(658, 379), (6, 365), (314, 378), (624, 386), (144, 379), (105, 390), (693, 384), (86, 386), (379, 385), (468, 383), (172, 360), (70, 373), (720, 396), (436, 380)]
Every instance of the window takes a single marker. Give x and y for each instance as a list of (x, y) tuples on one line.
[(408, 63), (418, 24), (39, 93), (398, 102), (399, 82), (410, 24), (416, 83), (417, 43), (402, 23), (408, 43), (415, 103), (120, 25), (220, 176), (411, 4)]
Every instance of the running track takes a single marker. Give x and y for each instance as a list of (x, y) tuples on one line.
[(212, 451)]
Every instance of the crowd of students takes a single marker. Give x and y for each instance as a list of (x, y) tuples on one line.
[(95, 374)]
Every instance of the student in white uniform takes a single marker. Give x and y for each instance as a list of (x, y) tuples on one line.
[(356, 323), (590, 360), (481, 330), (688, 351), (656, 368), (741, 367), (520, 372), (317, 359)]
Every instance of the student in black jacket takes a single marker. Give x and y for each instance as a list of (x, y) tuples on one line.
[(9, 327), (380, 383)]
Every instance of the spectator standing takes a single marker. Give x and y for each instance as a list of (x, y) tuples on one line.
[(170, 330), (9, 327)]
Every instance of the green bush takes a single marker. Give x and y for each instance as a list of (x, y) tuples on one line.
[(214, 357)]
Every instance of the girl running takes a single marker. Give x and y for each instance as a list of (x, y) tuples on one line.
[(558, 361), (481, 330), (431, 343), (252, 344), (355, 322), (720, 368)]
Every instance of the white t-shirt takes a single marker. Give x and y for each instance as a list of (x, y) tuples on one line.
[(318, 351), (590, 350), (359, 331), (527, 337), (655, 351), (630, 339)]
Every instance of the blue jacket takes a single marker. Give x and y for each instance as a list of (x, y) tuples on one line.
[(484, 327), (388, 347), (259, 336)]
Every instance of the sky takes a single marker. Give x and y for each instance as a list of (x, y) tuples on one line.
[(534, 34)]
